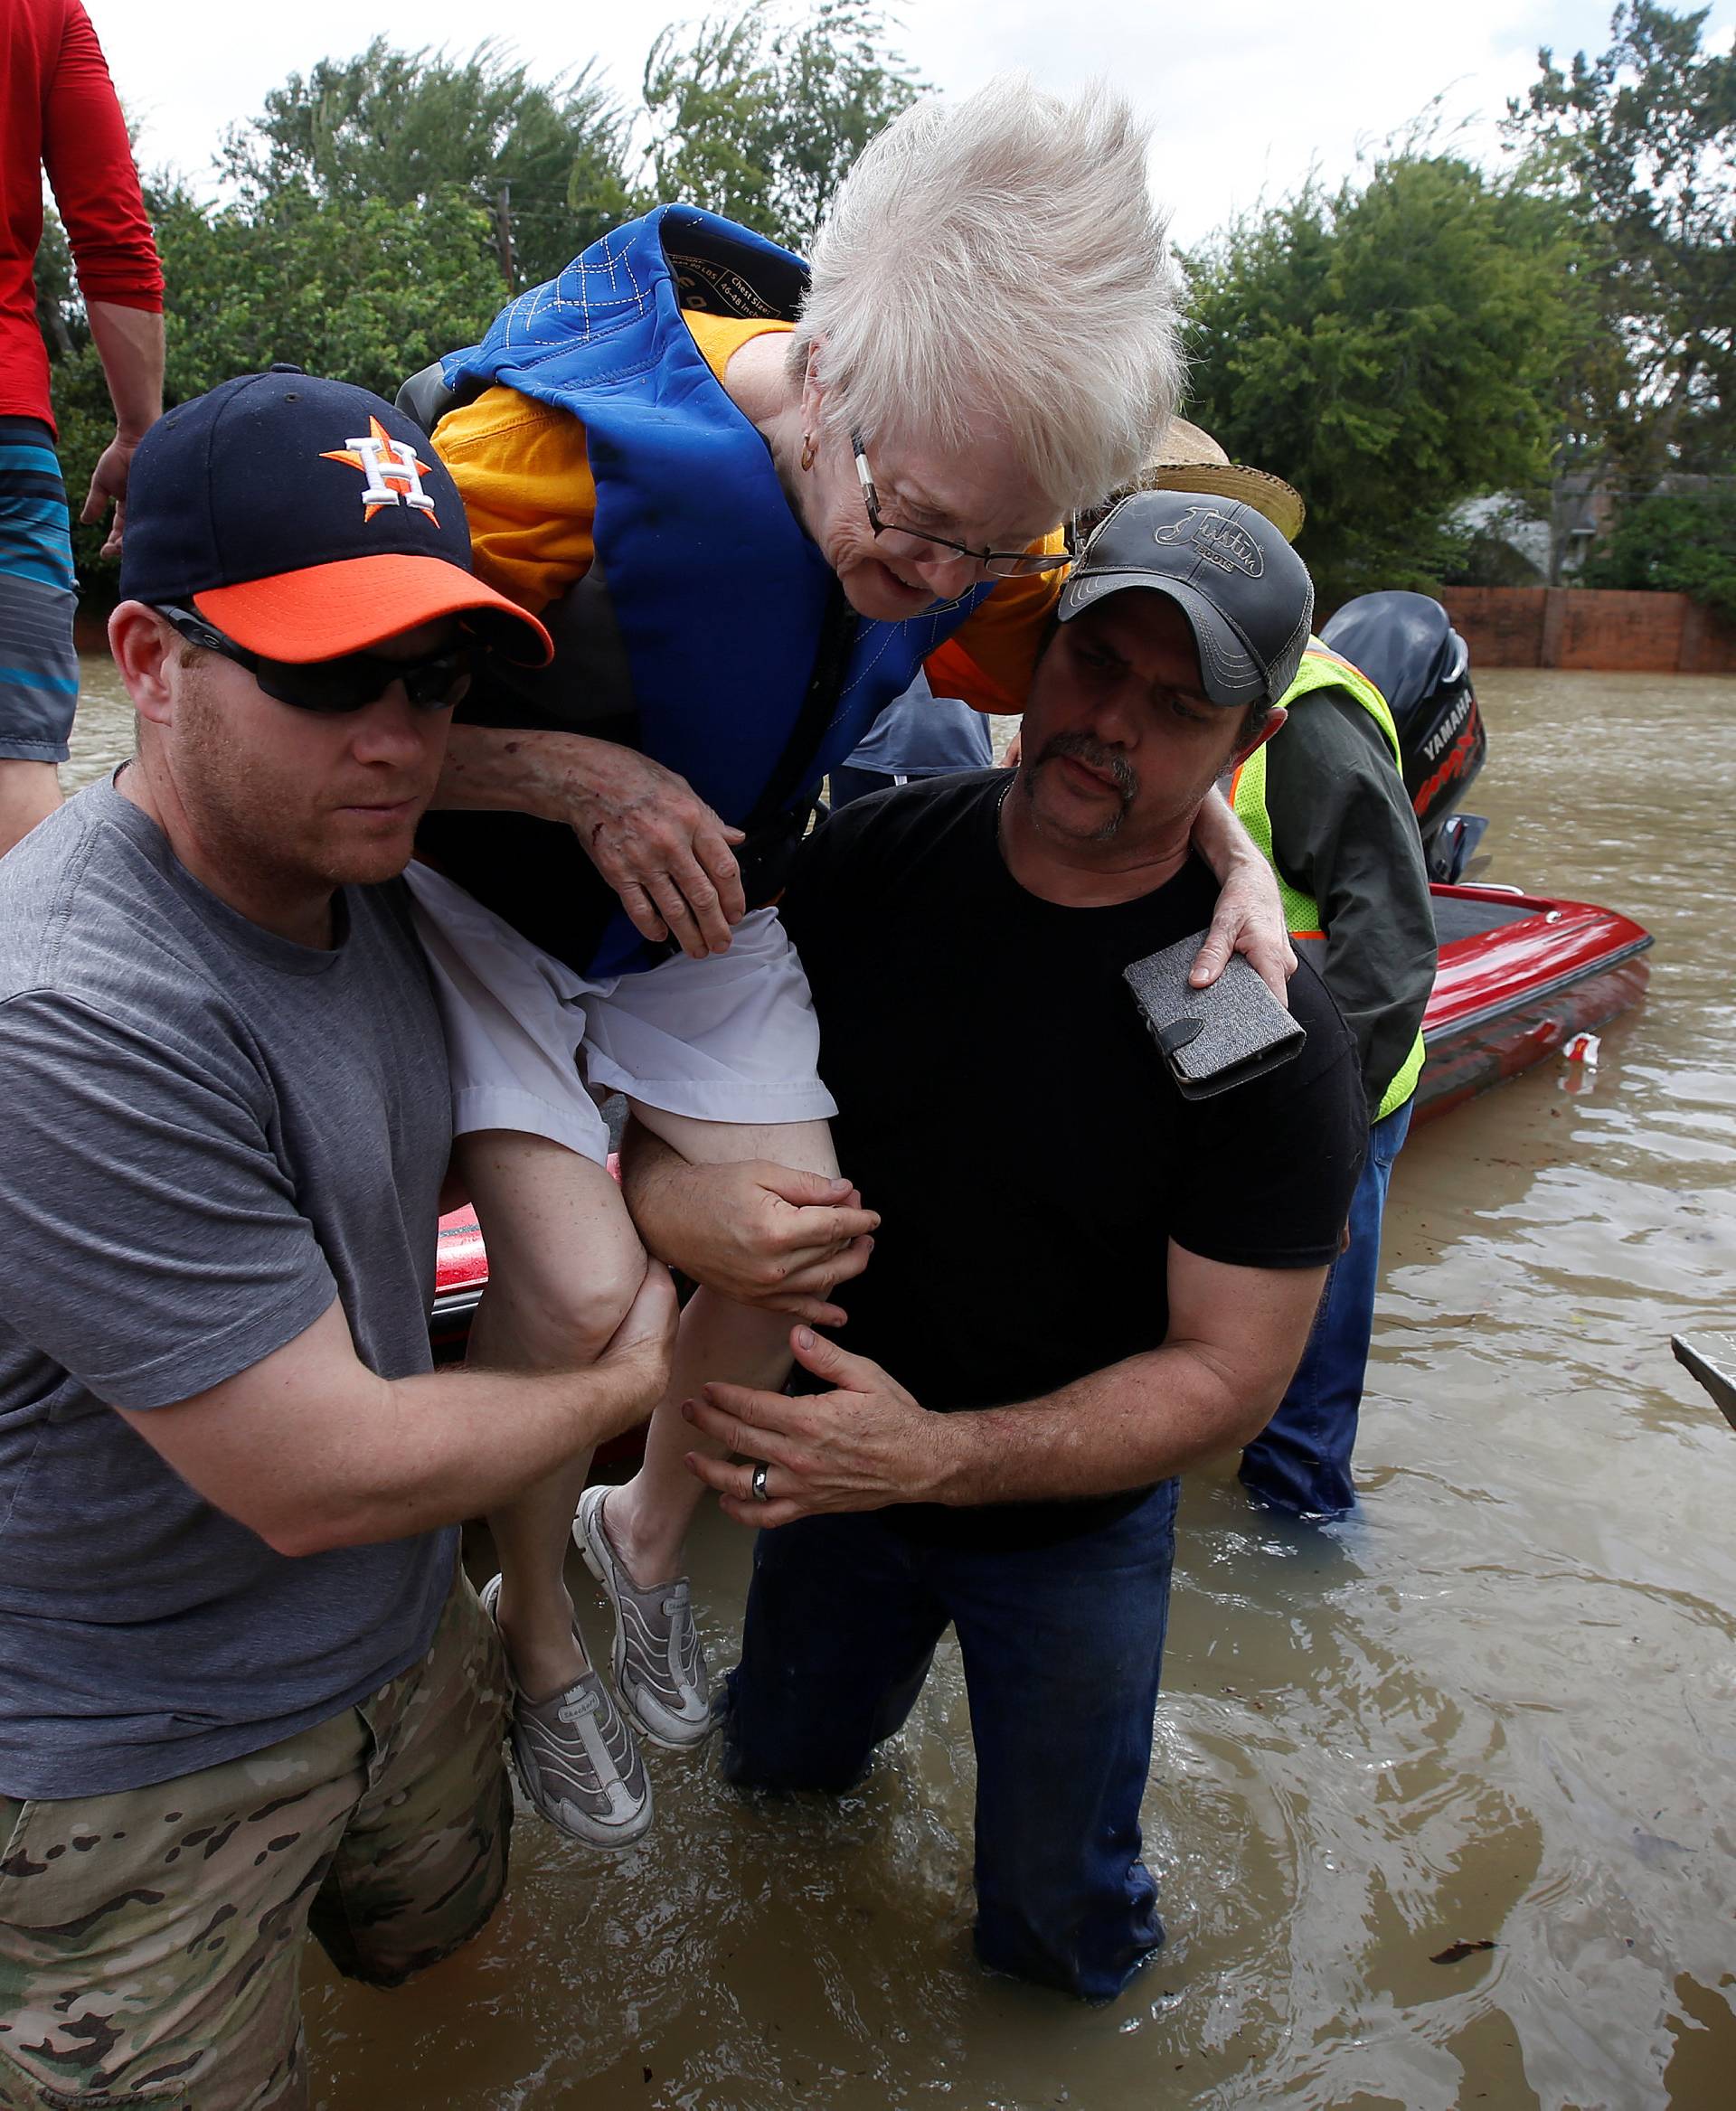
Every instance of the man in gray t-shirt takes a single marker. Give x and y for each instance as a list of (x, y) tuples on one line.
[(212, 1132), (244, 1688)]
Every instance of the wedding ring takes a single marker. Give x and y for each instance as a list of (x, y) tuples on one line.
[(759, 1473)]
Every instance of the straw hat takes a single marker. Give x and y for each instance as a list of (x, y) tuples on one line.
[(1189, 459)]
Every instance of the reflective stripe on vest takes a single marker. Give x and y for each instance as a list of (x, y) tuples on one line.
[(1320, 669)]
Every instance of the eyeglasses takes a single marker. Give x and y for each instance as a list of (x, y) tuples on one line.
[(1003, 564), (434, 682)]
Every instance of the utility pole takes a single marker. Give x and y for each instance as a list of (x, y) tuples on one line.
[(503, 236)]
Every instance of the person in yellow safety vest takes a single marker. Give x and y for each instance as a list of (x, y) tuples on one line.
[(1326, 801)]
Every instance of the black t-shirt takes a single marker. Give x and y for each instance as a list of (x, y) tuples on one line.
[(1005, 1108)]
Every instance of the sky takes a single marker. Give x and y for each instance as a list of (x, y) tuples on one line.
[(1245, 98)]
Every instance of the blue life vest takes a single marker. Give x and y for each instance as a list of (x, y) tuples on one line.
[(718, 595)]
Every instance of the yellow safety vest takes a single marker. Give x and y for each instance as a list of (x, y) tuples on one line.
[(1320, 669)]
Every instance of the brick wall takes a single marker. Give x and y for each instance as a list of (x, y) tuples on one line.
[(1502, 626), (1582, 627)]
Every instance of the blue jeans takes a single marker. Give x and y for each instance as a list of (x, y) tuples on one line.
[(1301, 1460), (1063, 1646)]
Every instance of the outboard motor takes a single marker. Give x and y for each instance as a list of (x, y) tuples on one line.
[(1407, 647)]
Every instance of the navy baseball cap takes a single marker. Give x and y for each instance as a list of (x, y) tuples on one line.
[(305, 519), (1246, 594)]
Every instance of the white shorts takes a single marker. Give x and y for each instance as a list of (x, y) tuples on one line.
[(732, 1037)]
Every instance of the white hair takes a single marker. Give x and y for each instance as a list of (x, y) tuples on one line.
[(1000, 259)]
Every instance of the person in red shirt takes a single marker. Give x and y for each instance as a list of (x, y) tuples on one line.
[(59, 111)]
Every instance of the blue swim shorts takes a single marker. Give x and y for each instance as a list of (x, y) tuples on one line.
[(39, 664)]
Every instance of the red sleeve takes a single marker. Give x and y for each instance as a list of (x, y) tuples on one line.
[(90, 164)]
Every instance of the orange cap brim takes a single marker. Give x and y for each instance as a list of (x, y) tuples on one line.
[(330, 609)]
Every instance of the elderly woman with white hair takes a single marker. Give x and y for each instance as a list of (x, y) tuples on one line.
[(750, 500)]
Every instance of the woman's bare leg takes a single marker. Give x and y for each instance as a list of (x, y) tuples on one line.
[(564, 1263), (648, 1516)]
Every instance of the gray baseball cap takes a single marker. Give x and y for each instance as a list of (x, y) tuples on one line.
[(1246, 594)]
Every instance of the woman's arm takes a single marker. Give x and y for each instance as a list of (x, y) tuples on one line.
[(1249, 916), (525, 473), (652, 837)]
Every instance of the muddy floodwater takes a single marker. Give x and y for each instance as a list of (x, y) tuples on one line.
[(1498, 1708)]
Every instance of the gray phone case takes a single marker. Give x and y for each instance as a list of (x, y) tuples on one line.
[(1211, 1039)]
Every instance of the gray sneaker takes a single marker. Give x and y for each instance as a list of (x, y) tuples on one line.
[(659, 1668), (577, 1760)]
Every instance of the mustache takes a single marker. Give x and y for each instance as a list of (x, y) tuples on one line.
[(1081, 747)]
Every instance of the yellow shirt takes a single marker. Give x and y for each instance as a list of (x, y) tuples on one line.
[(530, 498)]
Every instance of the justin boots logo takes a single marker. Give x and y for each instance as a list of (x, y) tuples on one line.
[(1218, 540), (394, 476)]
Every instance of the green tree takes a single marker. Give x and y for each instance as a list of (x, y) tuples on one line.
[(757, 116), (361, 237), (360, 289), (1680, 543), (364, 289), (1641, 144), (1392, 350), (59, 312), (405, 128)]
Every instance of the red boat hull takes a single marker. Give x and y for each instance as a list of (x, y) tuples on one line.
[(461, 1278), (1518, 977)]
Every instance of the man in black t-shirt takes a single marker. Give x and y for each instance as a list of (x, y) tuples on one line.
[(1081, 1283)]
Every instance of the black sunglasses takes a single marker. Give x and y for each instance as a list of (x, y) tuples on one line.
[(435, 681)]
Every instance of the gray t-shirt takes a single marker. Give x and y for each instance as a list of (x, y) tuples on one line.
[(207, 1133), (920, 734)]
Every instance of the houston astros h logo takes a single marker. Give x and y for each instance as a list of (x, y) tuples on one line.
[(394, 476)]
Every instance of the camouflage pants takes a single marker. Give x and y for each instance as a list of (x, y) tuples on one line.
[(150, 1941)]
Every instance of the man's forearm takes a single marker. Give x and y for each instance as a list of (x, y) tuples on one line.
[(129, 342), (1235, 1335), (1125, 1427), (758, 1232), (457, 1444), (312, 1450)]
